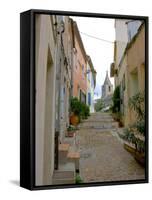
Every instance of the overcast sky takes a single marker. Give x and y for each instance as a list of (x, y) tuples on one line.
[(101, 52)]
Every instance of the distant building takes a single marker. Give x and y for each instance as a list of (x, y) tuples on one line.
[(107, 91), (91, 82)]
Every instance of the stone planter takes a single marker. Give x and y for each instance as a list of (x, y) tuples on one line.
[(139, 157), (129, 148)]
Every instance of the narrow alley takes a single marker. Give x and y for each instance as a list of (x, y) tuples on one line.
[(102, 155)]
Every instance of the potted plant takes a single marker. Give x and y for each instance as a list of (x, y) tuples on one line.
[(134, 135), (79, 111), (71, 131), (75, 106)]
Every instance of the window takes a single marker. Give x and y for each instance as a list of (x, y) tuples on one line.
[(89, 98), (109, 88), (92, 81), (82, 97)]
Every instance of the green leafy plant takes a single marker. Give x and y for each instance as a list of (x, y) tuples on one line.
[(136, 103), (135, 132), (78, 108), (71, 128), (116, 100), (85, 111), (132, 136), (75, 106), (78, 179)]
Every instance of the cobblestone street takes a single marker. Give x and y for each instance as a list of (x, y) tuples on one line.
[(102, 155)]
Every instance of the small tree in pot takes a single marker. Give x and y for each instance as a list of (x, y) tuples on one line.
[(79, 111), (75, 106)]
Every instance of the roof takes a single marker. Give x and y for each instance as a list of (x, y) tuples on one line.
[(107, 80), (129, 45)]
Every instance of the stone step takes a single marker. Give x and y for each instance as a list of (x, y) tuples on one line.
[(68, 166), (98, 125), (98, 118), (64, 147), (65, 175), (63, 151), (74, 157), (69, 154), (69, 140), (98, 122)]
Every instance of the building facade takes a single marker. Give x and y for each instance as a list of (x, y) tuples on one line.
[(91, 83), (61, 72), (79, 67), (54, 60), (46, 46), (128, 67), (64, 74)]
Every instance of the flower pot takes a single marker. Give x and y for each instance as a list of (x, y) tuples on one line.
[(70, 133), (74, 120)]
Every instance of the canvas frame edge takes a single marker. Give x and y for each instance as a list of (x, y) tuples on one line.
[(27, 117)]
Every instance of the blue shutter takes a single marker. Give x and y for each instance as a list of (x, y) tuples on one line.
[(89, 98)]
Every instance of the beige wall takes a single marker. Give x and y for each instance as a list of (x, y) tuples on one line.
[(133, 68), (136, 58), (136, 67), (123, 79), (45, 99), (121, 38), (90, 88)]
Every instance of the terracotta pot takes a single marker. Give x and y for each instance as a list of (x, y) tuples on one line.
[(70, 133), (74, 120)]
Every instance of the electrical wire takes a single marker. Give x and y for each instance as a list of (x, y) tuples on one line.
[(91, 36)]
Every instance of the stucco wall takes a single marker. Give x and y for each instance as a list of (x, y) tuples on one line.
[(79, 75), (136, 57), (136, 67), (133, 69), (90, 88), (45, 100), (121, 36)]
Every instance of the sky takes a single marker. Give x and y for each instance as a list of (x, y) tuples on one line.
[(101, 52)]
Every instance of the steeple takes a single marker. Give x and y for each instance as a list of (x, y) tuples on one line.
[(107, 80), (107, 87)]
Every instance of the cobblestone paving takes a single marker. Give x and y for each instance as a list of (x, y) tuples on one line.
[(102, 156)]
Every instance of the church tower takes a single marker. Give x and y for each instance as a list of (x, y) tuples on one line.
[(107, 87)]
